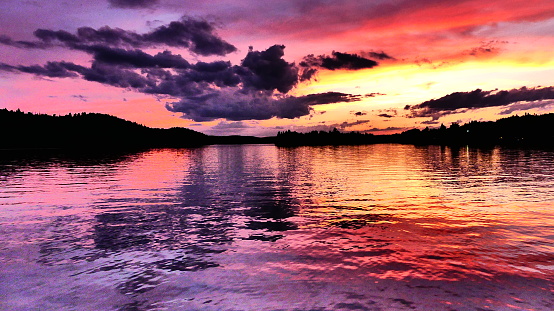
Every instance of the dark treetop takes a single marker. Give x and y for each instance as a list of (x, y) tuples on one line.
[(94, 130), (526, 130)]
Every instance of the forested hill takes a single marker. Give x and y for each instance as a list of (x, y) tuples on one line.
[(94, 130), (88, 130), (526, 130)]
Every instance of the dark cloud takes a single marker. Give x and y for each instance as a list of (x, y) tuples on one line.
[(386, 115), (237, 105), (255, 90), (198, 82), (224, 126), (374, 94), (49, 36), (344, 125), (80, 97), (324, 126), (51, 70), (22, 44), (330, 97), (269, 71), (523, 106), (197, 35), (486, 48), (337, 60), (462, 101), (387, 129), (359, 113), (377, 55), (137, 58), (132, 4), (98, 72), (115, 76), (194, 34), (8, 68), (106, 35), (430, 122)]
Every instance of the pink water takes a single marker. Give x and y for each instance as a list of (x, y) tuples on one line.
[(256, 227)]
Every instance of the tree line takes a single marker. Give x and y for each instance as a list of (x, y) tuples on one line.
[(527, 130), (88, 130), (94, 130)]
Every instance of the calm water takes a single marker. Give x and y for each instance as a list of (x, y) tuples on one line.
[(256, 227)]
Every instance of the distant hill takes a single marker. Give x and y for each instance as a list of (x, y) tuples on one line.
[(527, 130), (88, 130)]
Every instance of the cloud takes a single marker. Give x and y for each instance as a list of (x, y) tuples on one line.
[(324, 126), (359, 113), (51, 70), (269, 70), (255, 90), (197, 35), (459, 102), (310, 64), (345, 124), (224, 125), (22, 44), (377, 55), (203, 91), (98, 72), (80, 97), (237, 105), (523, 106), (132, 4), (374, 94), (430, 122), (137, 58), (387, 129), (386, 115), (225, 128), (487, 48)]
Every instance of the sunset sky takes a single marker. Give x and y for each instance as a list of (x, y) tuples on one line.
[(258, 67)]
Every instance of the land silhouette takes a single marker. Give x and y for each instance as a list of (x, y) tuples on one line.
[(524, 131), (23, 130), (94, 130)]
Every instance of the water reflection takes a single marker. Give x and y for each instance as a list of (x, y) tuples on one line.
[(260, 227), (136, 234)]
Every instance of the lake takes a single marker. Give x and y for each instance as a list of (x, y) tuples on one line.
[(257, 227)]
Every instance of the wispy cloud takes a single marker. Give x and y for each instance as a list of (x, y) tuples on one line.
[(133, 4), (337, 60), (197, 35), (459, 102)]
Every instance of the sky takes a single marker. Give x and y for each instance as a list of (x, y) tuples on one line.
[(246, 67)]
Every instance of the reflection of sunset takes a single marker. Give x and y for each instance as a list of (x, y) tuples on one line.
[(390, 217), (428, 225), (152, 171)]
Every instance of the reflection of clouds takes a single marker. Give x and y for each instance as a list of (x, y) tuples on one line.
[(170, 222), (256, 221)]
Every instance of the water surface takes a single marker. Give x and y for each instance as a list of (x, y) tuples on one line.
[(256, 227)]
